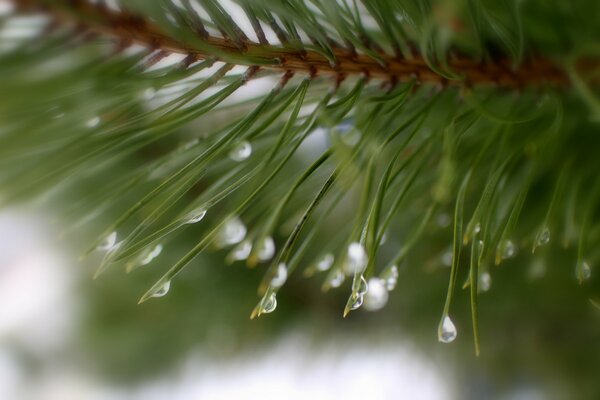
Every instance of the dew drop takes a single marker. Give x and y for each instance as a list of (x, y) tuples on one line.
[(447, 331), (336, 279), (447, 257), (477, 228), (325, 262), (508, 249), (265, 249), (363, 286), (377, 295), (108, 243), (356, 260), (234, 231), (281, 276), (392, 278), (241, 151), (92, 122), (383, 239), (269, 304), (584, 271), (357, 301), (196, 216), (241, 251), (485, 281), (543, 237), (163, 290), (150, 254)]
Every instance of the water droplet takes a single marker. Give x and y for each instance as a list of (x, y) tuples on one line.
[(269, 304), (336, 279), (149, 94), (163, 290), (477, 228), (265, 249), (92, 122), (196, 216), (383, 239), (325, 262), (363, 286), (447, 331), (356, 260), (443, 220), (543, 237), (485, 281), (584, 271), (241, 251), (392, 278), (357, 301), (150, 254), (241, 151), (108, 243), (377, 295), (447, 257), (281, 276), (234, 231), (508, 249)]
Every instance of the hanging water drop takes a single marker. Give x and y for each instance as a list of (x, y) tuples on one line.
[(241, 251), (108, 243), (325, 262), (234, 231), (485, 281), (363, 286), (241, 152), (543, 237), (446, 331), (265, 249), (150, 254), (356, 260), (508, 249), (584, 271), (356, 301), (377, 295), (196, 216), (92, 122), (392, 278), (477, 228), (269, 304), (279, 279), (163, 290), (336, 279)]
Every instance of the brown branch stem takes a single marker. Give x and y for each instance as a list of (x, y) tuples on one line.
[(135, 29)]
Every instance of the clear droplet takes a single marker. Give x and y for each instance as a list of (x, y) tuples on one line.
[(148, 94), (447, 331), (108, 243), (543, 237), (485, 281), (241, 152), (443, 220), (325, 262), (150, 254), (377, 295), (363, 286), (356, 260), (336, 279), (196, 216), (92, 122), (280, 277), (357, 301), (234, 231), (241, 251), (269, 304), (477, 228), (392, 278), (383, 239), (584, 271), (447, 257), (265, 249), (508, 249), (163, 290)]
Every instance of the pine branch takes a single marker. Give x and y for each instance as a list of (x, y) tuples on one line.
[(131, 28)]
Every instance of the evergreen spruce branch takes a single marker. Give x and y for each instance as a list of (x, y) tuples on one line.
[(237, 49)]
